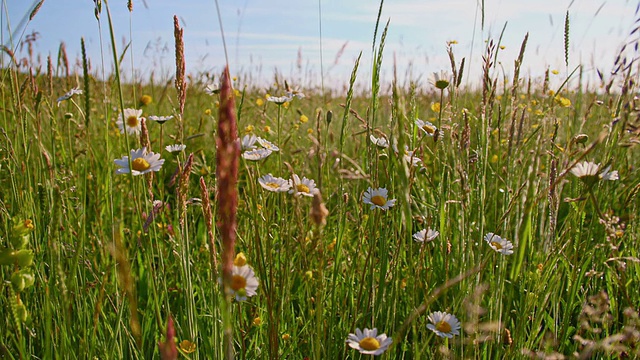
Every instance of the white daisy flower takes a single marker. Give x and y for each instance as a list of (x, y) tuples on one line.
[(306, 187), (267, 144), (160, 119), (142, 162), (248, 142), (175, 148), (427, 127), (590, 172), (444, 324), (377, 198), (411, 158), (243, 282), (295, 93), (278, 99), (69, 95), (368, 342), (441, 80), (130, 121), (256, 154), (425, 235), (503, 246), (380, 142), (275, 184)]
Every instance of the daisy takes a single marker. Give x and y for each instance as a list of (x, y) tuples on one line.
[(130, 120), (444, 324), (590, 172), (306, 187), (377, 198), (441, 80), (69, 95), (160, 119), (278, 99), (211, 89), (427, 127), (142, 162), (425, 235), (411, 158), (275, 184), (175, 148), (368, 342), (380, 142), (256, 154), (267, 144), (248, 142), (503, 246), (243, 282)]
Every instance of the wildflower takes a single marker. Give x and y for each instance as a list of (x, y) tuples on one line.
[(69, 95), (441, 80), (275, 184), (259, 102), (175, 148), (278, 99), (160, 119), (304, 118), (444, 324), (306, 187), (503, 246), (240, 260), (187, 346), (425, 235), (267, 129), (590, 172), (435, 107), (145, 100), (380, 142), (368, 342), (257, 321), (377, 198), (130, 120), (411, 158), (243, 282), (248, 129), (142, 162), (562, 101), (248, 142), (427, 127), (267, 144), (207, 112), (555, 72), (256, 154)]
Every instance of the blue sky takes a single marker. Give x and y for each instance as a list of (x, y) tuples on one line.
[(263, 35)]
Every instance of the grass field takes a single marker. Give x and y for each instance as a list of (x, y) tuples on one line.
[(513, 209)]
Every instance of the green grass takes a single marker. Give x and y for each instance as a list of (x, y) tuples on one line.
[(104, 288)]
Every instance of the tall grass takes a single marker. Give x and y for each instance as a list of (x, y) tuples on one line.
[(100, 268)]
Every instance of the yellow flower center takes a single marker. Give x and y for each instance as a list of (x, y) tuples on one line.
[(273, 185), (496, 245), (238, 282), (140, 164), (132, 121), (378, 200), (443, 326), (302, 188), (369, 343), (429, 129)]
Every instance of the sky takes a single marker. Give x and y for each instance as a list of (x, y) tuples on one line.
[(299, 40)]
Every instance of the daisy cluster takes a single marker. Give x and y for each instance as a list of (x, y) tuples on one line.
[(251, 152), (295, 185)]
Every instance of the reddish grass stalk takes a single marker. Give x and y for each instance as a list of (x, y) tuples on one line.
[(168, 349)]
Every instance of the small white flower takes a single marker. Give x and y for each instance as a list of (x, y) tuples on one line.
[(141, 162), (305, 187), (69, 95), (427, 127), (175, 148), (248, 142), (368, 342), (425, 235), (267, 144), (590, 172), (411, 158), (503, 246), (130, 121), (160, 119), (278, 99), (256, 154), (444, 324), (243, 282), (295, 93), (275, 184), (380, 142), (377, 198), (441, 80)]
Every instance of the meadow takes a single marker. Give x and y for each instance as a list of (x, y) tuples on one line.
[(205, 217)]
